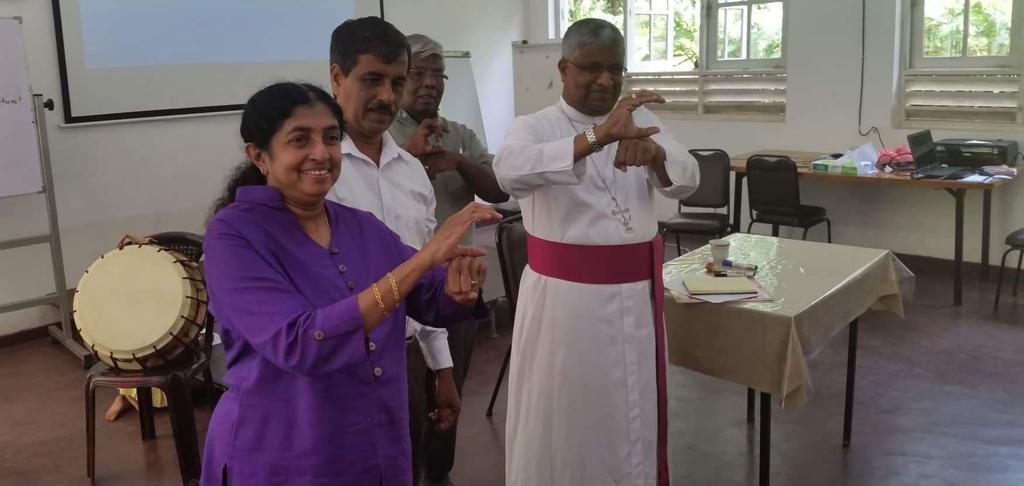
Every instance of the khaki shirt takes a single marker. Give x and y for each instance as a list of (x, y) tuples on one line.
[(450, 189)]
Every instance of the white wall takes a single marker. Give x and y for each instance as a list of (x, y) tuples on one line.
[(145, 177), (824, 74)]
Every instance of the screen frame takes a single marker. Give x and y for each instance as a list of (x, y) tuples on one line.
[(65, 90), (923, 148)]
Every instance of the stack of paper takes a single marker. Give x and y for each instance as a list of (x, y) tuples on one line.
[(704, 285), (705, 288), (1002, 170)]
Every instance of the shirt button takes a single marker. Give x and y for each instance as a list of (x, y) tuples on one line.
[(319, 335), (373, 346), (334, 251), (351, 284), (342, 268), (377, 371)]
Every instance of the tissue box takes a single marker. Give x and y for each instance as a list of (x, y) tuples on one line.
[(821, 165), (838, 167)]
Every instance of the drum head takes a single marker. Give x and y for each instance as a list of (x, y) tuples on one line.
[(129, 303)]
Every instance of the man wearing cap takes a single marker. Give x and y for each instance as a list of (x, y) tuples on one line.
[(459, 168)]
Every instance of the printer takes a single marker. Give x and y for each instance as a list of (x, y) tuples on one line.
[(964, 152)]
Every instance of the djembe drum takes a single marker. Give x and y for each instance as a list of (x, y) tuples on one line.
[(139, 306)]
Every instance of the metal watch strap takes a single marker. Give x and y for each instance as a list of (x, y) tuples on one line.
[(588, 132)]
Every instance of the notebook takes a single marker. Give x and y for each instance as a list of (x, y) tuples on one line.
[(704, 285)]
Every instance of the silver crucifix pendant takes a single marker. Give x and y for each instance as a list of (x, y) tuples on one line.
[(624, 217)]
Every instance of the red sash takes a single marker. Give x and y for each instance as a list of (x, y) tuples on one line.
[(615, 264)]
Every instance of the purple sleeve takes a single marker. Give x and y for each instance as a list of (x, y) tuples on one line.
[(430, 305), (262, 306)]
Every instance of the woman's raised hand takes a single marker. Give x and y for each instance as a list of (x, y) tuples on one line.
[(444, 246)]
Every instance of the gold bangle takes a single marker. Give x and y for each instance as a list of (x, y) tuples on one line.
[(380, 301), (394, 288)]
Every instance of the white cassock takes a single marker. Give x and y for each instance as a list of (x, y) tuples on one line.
[(582, 407)]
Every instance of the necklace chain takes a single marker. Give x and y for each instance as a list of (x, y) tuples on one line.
[(622, 214)]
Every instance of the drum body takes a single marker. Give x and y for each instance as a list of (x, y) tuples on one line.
[(140, 306)]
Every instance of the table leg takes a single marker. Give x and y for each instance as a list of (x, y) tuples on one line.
[(986, 230), (751, 397), (764, 466), (958, 246), (737, 202), (851, 371)]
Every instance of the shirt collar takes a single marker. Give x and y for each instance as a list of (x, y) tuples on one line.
[(262, 194), (406, 119), (388, 152), (578, 117)]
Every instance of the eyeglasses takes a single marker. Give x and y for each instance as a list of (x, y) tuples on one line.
[(596, 68), (421, 74)]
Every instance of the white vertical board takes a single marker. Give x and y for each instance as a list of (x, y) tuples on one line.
[(537, 82), (20, 171), (460, 102)]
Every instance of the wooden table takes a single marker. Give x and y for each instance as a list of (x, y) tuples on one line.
[(955, 188)]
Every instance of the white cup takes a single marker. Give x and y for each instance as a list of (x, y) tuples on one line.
[(719, 250)]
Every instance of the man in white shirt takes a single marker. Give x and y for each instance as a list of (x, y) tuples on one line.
[(369, 65), (459, 167), (587, 401)]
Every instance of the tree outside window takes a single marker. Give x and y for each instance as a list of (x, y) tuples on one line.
[(654, 41), (747, 30), (967, 28)]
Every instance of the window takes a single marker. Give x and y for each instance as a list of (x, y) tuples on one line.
[(747, 33), (733, 66), (963, 63), (663, 35)]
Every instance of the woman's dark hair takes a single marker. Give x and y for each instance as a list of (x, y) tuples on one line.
[(262, 117)]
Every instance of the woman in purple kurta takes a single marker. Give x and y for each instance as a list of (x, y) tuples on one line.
[(315, 354)]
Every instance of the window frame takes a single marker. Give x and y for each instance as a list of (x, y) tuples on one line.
[(917, 59), (708, 82), (628, 20), (711, 9), (914, 64), (707, 45)]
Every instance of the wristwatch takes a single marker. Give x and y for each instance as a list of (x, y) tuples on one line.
[(588, 132)]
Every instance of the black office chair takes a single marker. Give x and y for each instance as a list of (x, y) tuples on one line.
[(511, 245), (774, 191), (712, 193), (1016, 243)]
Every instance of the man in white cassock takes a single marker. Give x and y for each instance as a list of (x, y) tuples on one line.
[(586, 400)]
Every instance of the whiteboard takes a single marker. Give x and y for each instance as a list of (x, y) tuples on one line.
[(20, 172), (460, 102), (537, 82)]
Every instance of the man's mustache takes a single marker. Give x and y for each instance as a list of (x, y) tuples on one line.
[(382, 109)]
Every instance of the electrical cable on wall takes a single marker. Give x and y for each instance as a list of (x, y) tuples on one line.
[(860, 101)]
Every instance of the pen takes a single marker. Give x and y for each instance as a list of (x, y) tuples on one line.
[(742, 266), (733, 273)]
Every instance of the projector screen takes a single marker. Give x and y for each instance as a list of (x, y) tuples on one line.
[(122, 59)]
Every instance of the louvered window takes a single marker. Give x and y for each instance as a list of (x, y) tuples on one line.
[(964, 63), (706, 57), (749, 93)]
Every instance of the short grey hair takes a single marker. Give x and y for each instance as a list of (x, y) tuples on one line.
[(584, 32), (421, 45)]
